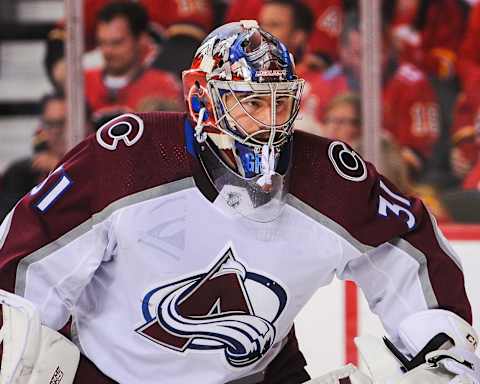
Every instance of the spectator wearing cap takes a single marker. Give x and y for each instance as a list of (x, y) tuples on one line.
[(126, 82)]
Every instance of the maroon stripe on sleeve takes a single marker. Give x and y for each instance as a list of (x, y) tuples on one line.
[(446, 277)]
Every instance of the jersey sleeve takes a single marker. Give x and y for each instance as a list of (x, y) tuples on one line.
[(46, 252), (390, 244), (409, 270)]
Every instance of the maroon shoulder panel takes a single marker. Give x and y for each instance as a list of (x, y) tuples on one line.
[(134, 160), (130, 154), (333, 180), (341, 187)]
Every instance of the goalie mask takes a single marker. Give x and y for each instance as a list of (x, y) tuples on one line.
[(243, 96)]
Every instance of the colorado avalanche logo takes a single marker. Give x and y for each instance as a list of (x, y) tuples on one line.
[(346, 162), (225, 308), (127, 128)]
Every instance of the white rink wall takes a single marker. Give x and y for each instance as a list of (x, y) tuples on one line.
[(320, 326)]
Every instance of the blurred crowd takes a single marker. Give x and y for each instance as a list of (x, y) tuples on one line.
[(430, 58)]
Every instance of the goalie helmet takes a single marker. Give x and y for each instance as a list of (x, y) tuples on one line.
[(243, 95)]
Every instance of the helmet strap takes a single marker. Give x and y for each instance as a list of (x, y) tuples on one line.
[(199, 134), (268, 167)]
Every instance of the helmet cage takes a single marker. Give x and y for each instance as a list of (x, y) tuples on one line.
[(272, 133)]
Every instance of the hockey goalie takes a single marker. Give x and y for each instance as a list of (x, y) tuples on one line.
[(182, 246)]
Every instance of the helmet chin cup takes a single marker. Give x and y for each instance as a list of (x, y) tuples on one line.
[(238, 195)]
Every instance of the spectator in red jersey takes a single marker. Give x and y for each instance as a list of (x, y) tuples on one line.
[(429, 33), (324, 41), (290, 21), (126, 83), (410, 108), (469, 56), (54, 60), (322, 44)]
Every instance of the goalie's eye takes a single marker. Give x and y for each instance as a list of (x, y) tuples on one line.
[(253, 104), (283, 103)]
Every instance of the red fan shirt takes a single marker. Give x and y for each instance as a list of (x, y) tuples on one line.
[(243, 10), (320, 89), (328, 26), (150, 90), (435, 47), (328, 16), (410, 109), (469, 57)]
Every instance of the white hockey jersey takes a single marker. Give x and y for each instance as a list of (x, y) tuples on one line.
[(164, 287)]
